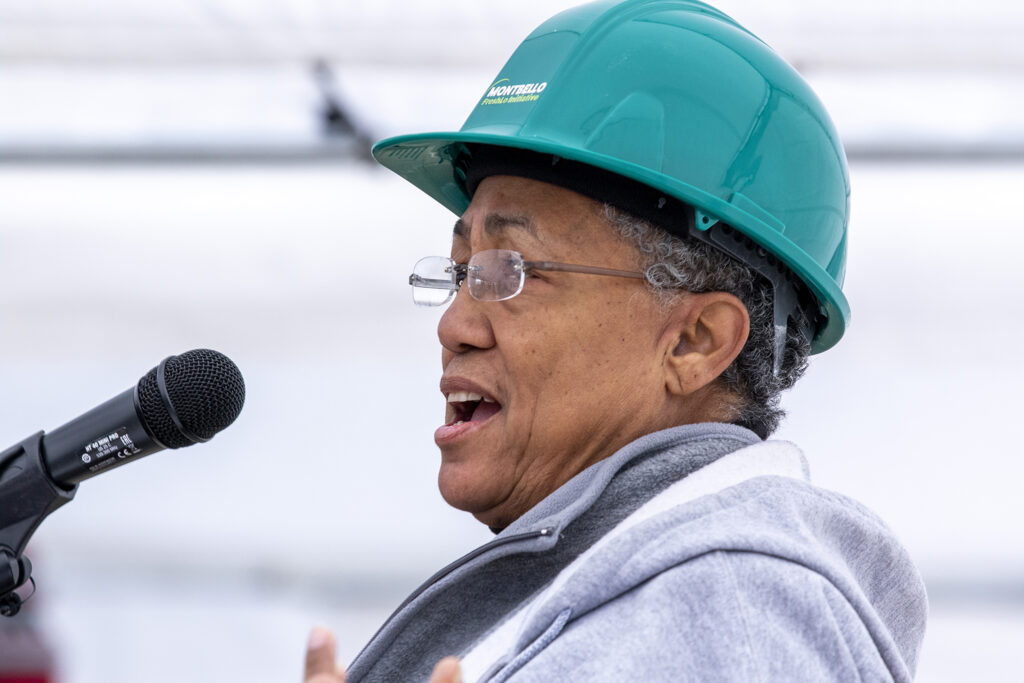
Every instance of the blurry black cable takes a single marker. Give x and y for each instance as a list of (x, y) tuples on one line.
[(334, 118)]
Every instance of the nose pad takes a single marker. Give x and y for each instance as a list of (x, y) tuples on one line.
[(464, 325)]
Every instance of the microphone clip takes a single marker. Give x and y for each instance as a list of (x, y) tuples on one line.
[(15, 572), (29, 495)]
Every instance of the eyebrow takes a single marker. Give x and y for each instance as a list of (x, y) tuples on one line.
[(496, 223)]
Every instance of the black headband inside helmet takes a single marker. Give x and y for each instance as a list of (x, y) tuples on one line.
[(667, 212)]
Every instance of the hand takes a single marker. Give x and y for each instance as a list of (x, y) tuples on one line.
[(320, 658), (321, 667)]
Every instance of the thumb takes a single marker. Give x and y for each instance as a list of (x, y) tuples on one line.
[(447, 671), (320, 656)]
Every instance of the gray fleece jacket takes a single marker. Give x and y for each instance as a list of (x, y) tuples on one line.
[(698, 553)]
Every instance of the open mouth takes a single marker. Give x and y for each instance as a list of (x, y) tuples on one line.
[(467, 406)]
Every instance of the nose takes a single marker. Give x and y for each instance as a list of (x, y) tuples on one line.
[(465, 325)]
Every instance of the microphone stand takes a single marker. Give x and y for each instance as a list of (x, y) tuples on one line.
[(27, 496)]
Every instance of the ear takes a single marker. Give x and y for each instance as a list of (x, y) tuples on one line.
[(705, 333)]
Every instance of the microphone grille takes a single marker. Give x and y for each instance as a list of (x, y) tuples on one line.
[(207, 393)]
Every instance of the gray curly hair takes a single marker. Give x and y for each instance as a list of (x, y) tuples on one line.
[(673, 264)]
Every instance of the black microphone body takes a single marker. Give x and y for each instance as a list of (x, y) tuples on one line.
[(109, 435), (184, 400)]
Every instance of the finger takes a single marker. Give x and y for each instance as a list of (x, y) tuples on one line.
[(338, 677), (447, 671), (320, 658)]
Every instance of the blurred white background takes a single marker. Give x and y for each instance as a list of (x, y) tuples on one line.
[(168, 181)]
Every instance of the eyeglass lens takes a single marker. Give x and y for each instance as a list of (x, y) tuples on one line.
[(433, 281), (495, 274), (491, 275)]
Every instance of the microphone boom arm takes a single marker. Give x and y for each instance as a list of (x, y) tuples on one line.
[(32, 496)]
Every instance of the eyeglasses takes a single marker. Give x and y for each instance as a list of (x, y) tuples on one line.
[(492, 275)]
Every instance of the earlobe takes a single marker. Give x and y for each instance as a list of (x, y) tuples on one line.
[(706, 333)]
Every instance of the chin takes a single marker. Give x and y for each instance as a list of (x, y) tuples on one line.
[(467, 491)]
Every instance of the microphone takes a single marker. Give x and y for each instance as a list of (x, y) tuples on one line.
[(184, 400)]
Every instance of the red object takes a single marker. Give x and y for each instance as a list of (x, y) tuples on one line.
[(24, 655)]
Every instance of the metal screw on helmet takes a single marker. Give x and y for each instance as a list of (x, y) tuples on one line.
[(677, 96)]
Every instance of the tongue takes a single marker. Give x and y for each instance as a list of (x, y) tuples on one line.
[(484, 410)]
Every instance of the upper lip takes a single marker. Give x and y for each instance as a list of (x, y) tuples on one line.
[(450, 385)]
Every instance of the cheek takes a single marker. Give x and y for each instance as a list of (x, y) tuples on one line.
[(563, 370), (604, 353), (578, 357)]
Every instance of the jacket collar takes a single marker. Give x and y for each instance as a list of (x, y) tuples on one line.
[(578, 494)]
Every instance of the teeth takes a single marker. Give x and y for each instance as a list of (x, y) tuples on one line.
[(463, 396), (488, 400)]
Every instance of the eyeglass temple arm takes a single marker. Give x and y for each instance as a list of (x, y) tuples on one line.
[(431, 283), (588, 270)]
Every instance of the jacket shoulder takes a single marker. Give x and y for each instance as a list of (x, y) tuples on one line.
[(723, 616), (769, 562)]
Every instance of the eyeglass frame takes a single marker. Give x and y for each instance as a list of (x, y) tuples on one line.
[(461, 270)]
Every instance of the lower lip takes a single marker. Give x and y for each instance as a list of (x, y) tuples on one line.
[(446, 434)]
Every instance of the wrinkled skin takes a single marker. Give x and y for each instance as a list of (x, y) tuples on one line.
[(577, 362)]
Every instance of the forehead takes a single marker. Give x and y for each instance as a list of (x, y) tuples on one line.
[(514, 209)]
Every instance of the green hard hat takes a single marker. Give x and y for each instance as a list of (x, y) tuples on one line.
[(677, 96)]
